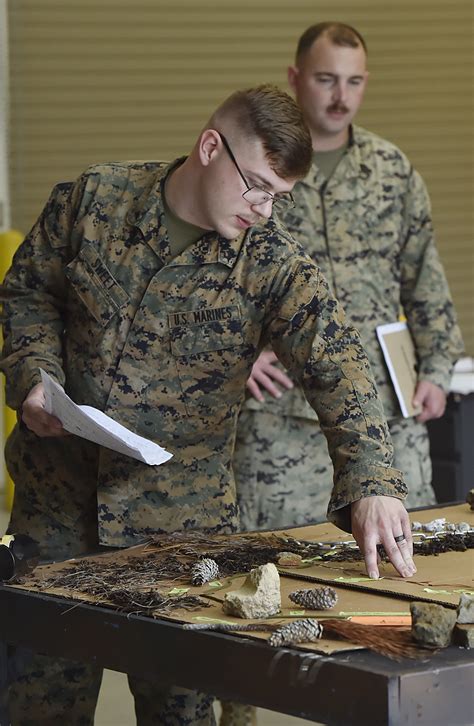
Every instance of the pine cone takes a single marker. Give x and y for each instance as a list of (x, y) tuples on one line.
[(307, 630), (204, 571), (319, 598)]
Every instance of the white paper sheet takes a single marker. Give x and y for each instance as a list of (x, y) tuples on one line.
[(96, 426)]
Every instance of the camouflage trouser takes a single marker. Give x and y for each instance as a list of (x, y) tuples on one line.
[(237, 714), (283, 472), (43, 691)]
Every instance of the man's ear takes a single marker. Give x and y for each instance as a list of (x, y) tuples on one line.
[(209, 145), (293, 73)]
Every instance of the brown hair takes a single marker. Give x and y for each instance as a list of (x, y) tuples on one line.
[(275, 118), (338, 33)]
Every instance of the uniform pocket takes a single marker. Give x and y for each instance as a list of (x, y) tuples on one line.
[(208, 347), (377, 225), (95, 285)]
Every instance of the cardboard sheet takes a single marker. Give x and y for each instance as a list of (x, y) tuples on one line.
[(439, 579)]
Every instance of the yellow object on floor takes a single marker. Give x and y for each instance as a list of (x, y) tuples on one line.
[(9, 242), (237, 714)]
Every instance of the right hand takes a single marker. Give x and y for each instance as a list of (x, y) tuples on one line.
[(35, 417), (383, 520), (263, 375)]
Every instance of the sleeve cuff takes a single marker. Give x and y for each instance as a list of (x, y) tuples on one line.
[(350, 488)]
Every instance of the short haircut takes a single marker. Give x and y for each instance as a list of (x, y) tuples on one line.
[(275, 118), (338, 33)]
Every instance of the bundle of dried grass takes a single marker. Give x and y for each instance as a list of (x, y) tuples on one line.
[(130, 586), (394, 643), (232, 553), (447, 542)]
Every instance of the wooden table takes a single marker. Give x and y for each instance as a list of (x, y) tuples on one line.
[(357, 687)]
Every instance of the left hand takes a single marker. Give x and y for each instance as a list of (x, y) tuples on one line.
[(379, 520), (265, 375), (431, 398)]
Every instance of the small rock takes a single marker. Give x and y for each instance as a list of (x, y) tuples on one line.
[(289, 559), (436, 525), (259, 596), (463, 635), (432, 624), (416, 526), (466, 608), (463, 527)]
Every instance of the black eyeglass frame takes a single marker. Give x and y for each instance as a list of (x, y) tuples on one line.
[(287, 200)]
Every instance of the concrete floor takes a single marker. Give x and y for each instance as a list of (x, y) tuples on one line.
[(115, 705)]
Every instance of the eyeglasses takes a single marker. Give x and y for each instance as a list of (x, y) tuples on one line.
[(256, 195)]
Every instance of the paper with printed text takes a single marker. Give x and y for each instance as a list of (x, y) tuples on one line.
[(96, 426)]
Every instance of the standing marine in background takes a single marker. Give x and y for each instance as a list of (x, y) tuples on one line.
[(363, 214)]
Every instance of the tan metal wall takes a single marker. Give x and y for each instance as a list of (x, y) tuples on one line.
[(96, 80)]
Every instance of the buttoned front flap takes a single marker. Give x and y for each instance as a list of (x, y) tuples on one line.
[(212, 361), (94, 284)]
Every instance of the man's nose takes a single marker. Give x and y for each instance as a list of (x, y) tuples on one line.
[(264, 209), (340, 91)]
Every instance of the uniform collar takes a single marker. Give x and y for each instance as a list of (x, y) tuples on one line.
[(349, 166), (211, 248), (148, 214)]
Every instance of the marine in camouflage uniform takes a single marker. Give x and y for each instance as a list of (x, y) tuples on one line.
[(368, 226), (164, 345)]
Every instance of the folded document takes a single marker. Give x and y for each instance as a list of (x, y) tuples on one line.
[(96, 426), (400, 357)]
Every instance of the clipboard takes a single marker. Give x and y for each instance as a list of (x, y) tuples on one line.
[(399, 353)]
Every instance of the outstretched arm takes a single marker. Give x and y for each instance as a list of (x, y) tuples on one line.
[(322, 350)]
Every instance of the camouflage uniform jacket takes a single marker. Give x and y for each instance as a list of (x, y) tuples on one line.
[(165, 347), (370, 232)]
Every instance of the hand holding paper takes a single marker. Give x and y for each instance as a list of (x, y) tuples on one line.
[(96, 426), (35, 416), (432, 400)]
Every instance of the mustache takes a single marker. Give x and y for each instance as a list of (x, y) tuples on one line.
[(338, 108)]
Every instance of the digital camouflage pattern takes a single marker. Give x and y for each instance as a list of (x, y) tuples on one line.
[(62, 692), (165, 347), (370, 232), (284, 475)]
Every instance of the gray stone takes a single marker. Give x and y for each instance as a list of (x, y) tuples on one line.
[(463, 635), (259, 596), (436, 525), (466, 608), (432, 624)]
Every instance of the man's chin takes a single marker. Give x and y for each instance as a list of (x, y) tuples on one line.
[(232, 231), (228, 232)]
